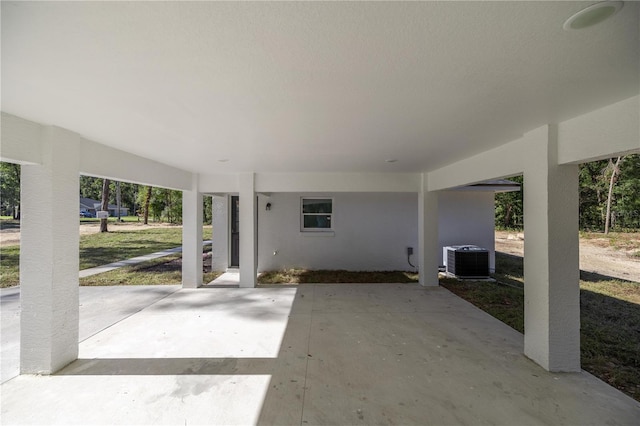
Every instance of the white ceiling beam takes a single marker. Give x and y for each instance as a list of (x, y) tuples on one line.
[(604, 133), (337, 182), (102, 161), (20, 141)]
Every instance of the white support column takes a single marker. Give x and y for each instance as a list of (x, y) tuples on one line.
[(220, 238), (248, 231), (49, 250), (551, 267), (428, 249), (192, 236)]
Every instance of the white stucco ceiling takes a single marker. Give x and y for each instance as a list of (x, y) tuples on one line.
[(277, 87)]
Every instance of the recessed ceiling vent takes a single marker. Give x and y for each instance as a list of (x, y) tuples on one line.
[(593, 15)]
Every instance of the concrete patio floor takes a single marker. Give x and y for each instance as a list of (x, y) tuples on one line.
[(313, 354)]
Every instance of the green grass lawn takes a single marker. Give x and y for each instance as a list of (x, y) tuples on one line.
[(9, 266), (609, 319), (103, 248), (107, 247), (165, 270)]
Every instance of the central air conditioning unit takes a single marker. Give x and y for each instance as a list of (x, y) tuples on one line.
[(466, 261)]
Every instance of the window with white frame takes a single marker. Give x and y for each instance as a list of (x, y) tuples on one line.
[(316, 214)]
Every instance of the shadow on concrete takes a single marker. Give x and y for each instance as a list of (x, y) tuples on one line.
[(10, 224), (9, 297), (168, 366), (244, 305), (609, 327), (347, 355)]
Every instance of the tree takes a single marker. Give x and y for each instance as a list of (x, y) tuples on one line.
[(147, 200), (615, 169), (206, 209), (118, 200), (91, 187), (593, 186), (509, 207), (10, 189), (626, 190), (105, 204)]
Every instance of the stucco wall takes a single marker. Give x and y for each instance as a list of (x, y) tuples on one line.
[(467, 218), (371, 231)]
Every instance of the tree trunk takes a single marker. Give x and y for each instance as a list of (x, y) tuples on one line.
[(118, 200), (507, 216), (147, 200), (168, 205), (17, 209), (105, 204), (614, 172)]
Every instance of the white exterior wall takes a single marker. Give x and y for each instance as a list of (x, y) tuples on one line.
[(467, 217), (371, 232)]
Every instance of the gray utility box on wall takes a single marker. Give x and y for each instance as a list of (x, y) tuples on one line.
[(466, 261)]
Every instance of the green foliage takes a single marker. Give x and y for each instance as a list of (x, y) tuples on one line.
[(9, 266), (594, 187), (10, 189), (594, 179), (166, 205), (207, 212), (103, 248), (91, 187), (161, 271), (593, 195), (627, 198), (509, 210)]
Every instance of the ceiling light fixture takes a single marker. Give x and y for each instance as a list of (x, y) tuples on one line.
[(592, 15)]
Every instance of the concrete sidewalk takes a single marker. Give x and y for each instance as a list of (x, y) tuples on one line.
[(313, 354), (100, 308), (133, 261)]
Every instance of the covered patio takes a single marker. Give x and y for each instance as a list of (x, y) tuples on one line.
[(248, 99), (312, 354)]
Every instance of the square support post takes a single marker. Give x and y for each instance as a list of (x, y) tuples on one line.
[(192, 236), (551, 266), (49, 250), (220, 238), (429, 255), (248, 231)]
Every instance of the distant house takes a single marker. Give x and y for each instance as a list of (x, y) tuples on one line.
[(92, 206)]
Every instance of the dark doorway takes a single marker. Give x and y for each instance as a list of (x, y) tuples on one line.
[(235, 231)]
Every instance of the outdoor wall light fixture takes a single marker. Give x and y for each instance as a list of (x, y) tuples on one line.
[(592, 15), (268, 207)]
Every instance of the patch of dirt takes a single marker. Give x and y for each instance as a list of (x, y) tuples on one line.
[(94, 228), (11, 236), (596, 255)]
